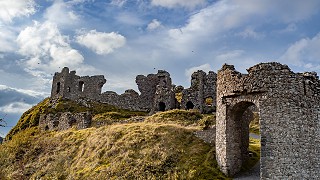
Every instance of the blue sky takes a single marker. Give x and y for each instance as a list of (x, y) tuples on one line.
[(123, 38)]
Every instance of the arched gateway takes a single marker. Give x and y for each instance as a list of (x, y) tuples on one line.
[(288, 106)]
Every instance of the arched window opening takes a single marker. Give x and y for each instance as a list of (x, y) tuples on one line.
[(58, 87), (162, 106), (81, 86), (189, 105), (69, 89)]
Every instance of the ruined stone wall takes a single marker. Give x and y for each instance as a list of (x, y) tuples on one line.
[(164, 98), (128, 100), (288, 106), (64, 121), (154, 88), (70, 86), (203, 86)]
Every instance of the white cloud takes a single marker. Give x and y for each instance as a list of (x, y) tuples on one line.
[(129, 18), (61, 13), (205, 67), (119, 3), (210, 23), (28, 92), (249, 32), (46, 48), (226, 56), (154, 24), (101, 42), (290, 28), (304, 53), (10, 9), (175, 3), (6, 40), (15, 107)]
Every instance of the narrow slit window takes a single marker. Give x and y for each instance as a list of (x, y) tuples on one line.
[(81, 86)]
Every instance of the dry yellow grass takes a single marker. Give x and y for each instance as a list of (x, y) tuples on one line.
[(127, 151)]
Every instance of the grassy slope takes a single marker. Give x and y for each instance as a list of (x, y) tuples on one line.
[(128, 151), (31, 117), (162, 147)]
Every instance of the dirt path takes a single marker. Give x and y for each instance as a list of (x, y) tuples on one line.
[(253, 174)]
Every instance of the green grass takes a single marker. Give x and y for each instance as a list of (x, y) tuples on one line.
[(254, 150), (162, 147), (176, 116), (31, 117), (254, 126)]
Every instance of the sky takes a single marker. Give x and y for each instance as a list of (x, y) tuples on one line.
[(123, 38)]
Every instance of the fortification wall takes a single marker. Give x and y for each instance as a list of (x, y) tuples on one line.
[(288, 106), (64, 121), (71, 86)]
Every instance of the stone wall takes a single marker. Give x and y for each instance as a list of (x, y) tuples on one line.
[(64, 121), (202, 87), (156, 91), (288, 105), (68, 85)]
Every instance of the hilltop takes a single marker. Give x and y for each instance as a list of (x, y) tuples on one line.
[(164, 146)]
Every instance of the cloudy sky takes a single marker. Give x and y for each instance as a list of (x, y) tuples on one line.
[(123, 38)]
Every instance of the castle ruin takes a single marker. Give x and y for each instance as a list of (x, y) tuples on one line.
[(156, 91), (287, 102), (202, 93), (288, 106)]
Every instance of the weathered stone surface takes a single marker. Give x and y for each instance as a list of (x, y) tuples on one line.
[(64, 121), (207, 135), (68, 85), (288, 105), (203, 86)]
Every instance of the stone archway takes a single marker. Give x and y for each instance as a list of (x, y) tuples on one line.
[(231, 154), (241, 115), (289, 120)]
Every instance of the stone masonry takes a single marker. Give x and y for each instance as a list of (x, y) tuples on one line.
[(64, 121), (203, 86), (288, 106), (156, 91), (70, 86)]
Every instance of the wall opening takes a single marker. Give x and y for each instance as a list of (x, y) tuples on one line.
[(209, 101), (81, 86), (189, 105), (162, 106), (58, 87), (69, 89), (46, 128), (246, 134), (55, 124)]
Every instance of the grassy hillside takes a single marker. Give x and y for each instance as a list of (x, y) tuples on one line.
[(161, 147), (126, 151), (31, 117)]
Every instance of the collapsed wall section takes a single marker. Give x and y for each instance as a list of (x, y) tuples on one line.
[(64, 121)]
